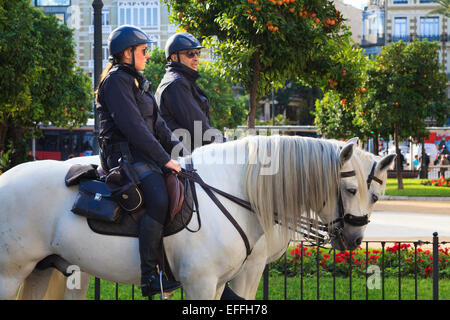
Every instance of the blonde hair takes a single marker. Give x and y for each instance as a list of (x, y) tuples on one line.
[(115, 60)]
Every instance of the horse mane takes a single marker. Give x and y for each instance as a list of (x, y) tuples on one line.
[(307, 177)]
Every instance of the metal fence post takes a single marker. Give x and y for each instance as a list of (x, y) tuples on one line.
[(266, 283), (97, 289), (435, 266)]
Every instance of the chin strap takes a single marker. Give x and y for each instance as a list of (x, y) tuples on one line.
[(132, 56)]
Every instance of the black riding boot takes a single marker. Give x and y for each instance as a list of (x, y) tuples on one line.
[(150, 235)]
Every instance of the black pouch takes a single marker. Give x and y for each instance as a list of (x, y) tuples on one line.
[(122, 183), (94, 201)]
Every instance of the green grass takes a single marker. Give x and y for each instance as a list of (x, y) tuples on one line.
[(413, 188), (276, 289), (391, 292)]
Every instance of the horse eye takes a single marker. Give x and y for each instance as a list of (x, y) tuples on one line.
[(352, 191), (374, 198)]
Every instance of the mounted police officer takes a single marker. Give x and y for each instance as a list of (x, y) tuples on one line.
[(181, 102), (131, 128)]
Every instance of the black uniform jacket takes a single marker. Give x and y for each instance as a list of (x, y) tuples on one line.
[(127, 113), (181, 101)]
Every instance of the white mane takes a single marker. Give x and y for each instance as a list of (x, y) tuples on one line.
[(307, 178)]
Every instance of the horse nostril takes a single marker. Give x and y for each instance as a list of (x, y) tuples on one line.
[(358, 241)]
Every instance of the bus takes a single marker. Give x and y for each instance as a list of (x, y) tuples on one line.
[(62, 143)]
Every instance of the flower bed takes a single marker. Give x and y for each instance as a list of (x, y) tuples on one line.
[(441, 182), (359, 258)]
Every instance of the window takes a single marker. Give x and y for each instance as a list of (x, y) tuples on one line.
[(142, 14), (429, 28), (400, 1), (400, 29), (52, 3)]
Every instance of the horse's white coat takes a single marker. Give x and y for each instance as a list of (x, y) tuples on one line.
[(36, 221)]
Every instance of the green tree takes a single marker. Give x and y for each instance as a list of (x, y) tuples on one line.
[(338, 114), (43, 84), (262, 44), (444, 10), (225, 110), (404, 91)]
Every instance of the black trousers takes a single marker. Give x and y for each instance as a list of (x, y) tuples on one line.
[(156, 199)]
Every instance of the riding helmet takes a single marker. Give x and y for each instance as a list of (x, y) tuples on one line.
[(126, 36), (181, 41)]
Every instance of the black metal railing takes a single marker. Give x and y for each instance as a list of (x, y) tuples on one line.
[(434, 275)]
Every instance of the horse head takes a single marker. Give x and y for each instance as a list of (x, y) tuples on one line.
[(363, 180)]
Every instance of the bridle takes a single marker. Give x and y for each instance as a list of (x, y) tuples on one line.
[(356, 221)]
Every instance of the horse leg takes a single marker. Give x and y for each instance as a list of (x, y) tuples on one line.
[(9, 287), (201, 289), (245, 284), (35, 285)]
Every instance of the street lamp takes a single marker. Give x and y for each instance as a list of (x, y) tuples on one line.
[(98, 62), (98, 59)]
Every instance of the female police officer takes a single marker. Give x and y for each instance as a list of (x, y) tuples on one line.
[(131, 128)]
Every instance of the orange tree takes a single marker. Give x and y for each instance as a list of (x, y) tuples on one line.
[(404, 90), (262, 43)]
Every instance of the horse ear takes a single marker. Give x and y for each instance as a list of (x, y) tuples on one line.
[(386, 162), (346, 152), (354, 140)]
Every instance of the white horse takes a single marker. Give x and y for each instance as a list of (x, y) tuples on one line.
[(368, 185), (300, 176)]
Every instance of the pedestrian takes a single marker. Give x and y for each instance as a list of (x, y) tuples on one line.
[(416, 162), (132, 129), (182, 103)]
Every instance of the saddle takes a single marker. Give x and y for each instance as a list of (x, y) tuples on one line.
[(105, 216)]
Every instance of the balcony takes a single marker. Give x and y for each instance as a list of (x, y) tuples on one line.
[(430, 37), (404, 38)]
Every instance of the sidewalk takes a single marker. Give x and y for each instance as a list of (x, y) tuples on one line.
[(413, 205)]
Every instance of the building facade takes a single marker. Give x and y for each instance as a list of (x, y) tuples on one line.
[(387, 21), (152, 16), (409, 19), (352, 16), (373, 27)]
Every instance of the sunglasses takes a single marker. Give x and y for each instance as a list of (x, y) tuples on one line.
[(192, 54), (145, 51)]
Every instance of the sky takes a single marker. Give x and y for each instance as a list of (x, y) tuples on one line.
[(360, 4)]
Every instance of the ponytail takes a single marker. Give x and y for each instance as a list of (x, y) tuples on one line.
[(113, 60)]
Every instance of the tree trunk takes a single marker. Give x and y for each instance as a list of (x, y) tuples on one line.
[(254, 90), (375, 144), (398, 167), (423, 168), (3, 132), (18, 155)]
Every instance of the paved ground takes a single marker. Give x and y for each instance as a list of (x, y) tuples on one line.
[(414, 206), (409, 220)]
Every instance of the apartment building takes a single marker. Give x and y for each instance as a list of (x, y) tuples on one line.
[(387, 21), (150, 15)]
